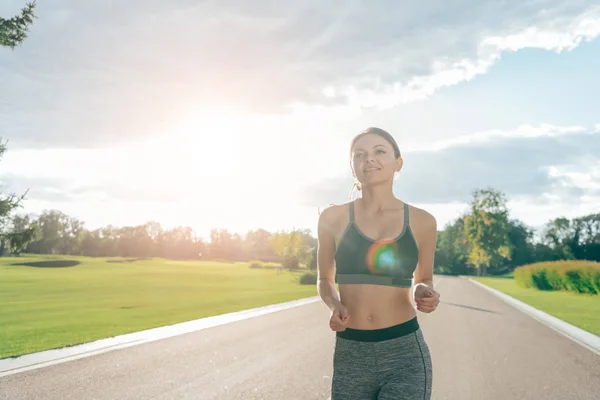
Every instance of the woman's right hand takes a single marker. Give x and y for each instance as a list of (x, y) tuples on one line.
[(339, 317)]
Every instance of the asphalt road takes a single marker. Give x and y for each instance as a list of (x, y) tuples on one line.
[(481, 348)]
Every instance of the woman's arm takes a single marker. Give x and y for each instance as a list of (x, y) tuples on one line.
[(325, 258), (425, 228)]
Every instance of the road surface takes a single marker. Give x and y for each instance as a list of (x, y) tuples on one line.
[(481, 347)]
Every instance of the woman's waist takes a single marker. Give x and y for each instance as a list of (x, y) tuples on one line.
[(379, 334), (374, 308)]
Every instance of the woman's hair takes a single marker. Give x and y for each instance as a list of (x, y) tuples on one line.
[(373, 131)]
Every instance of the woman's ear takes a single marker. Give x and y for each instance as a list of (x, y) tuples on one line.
[(399, 163)]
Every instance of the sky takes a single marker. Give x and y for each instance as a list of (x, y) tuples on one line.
[(239, 115)]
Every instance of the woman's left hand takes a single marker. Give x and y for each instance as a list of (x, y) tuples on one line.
[(427, 299)]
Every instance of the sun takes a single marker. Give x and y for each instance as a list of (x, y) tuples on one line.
[(207, 161)]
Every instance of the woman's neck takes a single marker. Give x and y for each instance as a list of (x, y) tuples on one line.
[(378, 198)]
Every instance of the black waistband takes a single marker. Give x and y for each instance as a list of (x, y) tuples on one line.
[(379, 335)]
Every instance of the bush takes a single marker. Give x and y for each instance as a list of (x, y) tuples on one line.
[(261, 264), (308, 278), (256, 264), (570, 275), (291, 262), (443, 270)]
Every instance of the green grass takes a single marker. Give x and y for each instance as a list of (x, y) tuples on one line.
[(581, 310), (50, 307)]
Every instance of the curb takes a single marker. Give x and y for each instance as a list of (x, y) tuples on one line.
[(578, 335), (27, 362)]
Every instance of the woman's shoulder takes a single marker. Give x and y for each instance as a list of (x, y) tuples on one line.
[(333, 213), (421, 219)]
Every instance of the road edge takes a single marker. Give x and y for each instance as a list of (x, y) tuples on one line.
[(578, 335), (27, 362)]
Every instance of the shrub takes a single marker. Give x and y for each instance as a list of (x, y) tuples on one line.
[(261, 264), (443, 270), (582, 280), (308, 278), (291, 262), (570, 275), (256, 264)]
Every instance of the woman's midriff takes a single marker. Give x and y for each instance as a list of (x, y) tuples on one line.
[(376, 306)]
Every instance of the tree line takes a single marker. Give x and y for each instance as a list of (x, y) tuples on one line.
[(54, 232), (484, 240)]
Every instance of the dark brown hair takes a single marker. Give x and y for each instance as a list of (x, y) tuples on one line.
[(374, 131)]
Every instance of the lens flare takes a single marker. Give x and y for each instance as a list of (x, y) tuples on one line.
[(383, 258)]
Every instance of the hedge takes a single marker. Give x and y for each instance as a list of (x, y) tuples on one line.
[(571, 275)]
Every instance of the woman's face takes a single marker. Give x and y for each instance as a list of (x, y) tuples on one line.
[(373, 160)]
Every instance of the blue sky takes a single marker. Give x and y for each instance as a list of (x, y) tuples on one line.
[(222, 114)]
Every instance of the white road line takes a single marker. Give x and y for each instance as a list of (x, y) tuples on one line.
[(578, 335), (9, 366)]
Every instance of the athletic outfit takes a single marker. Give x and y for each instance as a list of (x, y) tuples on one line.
[(388, 363)]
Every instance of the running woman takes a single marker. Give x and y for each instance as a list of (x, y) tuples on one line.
[(380, 251)]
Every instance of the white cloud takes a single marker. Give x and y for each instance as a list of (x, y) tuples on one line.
[(556, 34), (523, 131), (585, 175), (93, 75), (531, 162), (563, 33)]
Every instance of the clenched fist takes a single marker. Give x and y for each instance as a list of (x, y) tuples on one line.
[(339, 317), (426, 298)]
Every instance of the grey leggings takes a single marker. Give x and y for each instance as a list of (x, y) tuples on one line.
[(384, 364)]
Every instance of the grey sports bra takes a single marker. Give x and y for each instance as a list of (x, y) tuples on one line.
[(362, 260)]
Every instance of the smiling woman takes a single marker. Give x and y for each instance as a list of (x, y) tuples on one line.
[(379, 250), (384, 152)]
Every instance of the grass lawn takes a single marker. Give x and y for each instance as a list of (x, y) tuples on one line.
[(582, 311), (50, 307)]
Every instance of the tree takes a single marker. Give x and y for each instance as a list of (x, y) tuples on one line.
[(487, 231), (23, 232), (8, 204), (520, 237), (291, 246), (256, 245), (56, 236), (572, 239), (452, 249), (13, 31), (589, 235), (313, 258), (560, 238)]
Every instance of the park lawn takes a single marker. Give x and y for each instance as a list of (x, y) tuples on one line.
[(43, 308), (580, 310)]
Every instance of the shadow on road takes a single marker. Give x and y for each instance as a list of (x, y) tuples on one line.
[(470, 307)]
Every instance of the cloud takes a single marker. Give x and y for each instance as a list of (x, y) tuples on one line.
[(550, 163), (44, 188), (91, 74), (54, 190)]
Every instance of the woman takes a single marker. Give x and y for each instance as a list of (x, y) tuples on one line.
[(380, 251)]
